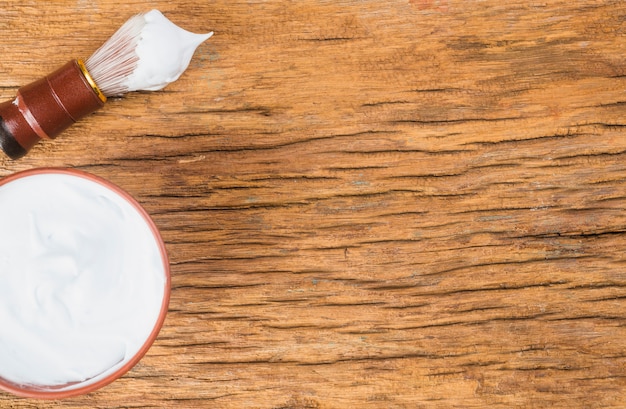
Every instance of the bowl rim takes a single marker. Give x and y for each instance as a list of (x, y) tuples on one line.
[(31, 391)]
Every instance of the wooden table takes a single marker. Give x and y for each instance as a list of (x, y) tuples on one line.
[(366, 204)]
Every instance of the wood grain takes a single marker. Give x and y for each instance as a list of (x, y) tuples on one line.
[(394, 204)]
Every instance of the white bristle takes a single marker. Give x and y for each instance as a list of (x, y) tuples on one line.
[(116, 60)]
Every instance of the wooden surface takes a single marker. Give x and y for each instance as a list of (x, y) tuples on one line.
[(367, 204)]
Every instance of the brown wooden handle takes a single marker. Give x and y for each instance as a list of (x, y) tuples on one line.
[(44, 108)]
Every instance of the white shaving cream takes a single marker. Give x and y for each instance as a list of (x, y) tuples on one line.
[(82, 280), (164, 52)]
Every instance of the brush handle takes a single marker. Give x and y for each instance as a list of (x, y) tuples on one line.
[(46, 107)]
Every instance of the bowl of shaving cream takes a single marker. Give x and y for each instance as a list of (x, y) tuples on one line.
[(84, 283)]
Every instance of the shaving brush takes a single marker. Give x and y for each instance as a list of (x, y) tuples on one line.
[(146, 53)]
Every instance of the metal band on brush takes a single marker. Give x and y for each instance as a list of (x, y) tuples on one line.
[(91, 81)]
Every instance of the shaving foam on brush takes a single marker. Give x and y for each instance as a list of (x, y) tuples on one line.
[(147, 53)]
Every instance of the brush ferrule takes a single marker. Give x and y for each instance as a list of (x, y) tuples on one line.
[(91, 81)]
